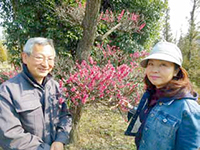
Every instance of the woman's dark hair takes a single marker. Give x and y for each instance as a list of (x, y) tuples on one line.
[(178, 86)]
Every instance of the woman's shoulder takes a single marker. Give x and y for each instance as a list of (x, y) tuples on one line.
[(188, 106), (191, 106)]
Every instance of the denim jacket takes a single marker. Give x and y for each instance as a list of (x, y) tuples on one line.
[(172, 124)]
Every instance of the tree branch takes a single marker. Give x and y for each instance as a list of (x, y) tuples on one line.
[(101, 38)]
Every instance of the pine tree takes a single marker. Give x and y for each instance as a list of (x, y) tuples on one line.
[(190, 46)]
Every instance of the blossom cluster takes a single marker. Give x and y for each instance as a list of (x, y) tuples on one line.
[(129, 21), (108, 81), (5, 75)]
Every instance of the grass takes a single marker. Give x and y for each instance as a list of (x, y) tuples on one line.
[(102, 129)]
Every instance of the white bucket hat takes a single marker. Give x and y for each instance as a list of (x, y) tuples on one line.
[(164, 51)]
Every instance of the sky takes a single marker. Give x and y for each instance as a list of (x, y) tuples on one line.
[(179, 15)]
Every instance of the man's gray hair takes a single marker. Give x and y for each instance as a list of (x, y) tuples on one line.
[(28, 47)]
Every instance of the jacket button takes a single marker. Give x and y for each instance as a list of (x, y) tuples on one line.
[(152, 115), (160, 103), (164, 120)]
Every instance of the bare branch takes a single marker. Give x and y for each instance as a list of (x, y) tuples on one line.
[(101, 38), (72, 15)]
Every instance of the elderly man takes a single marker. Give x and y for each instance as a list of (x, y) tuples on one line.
[(31, 117)]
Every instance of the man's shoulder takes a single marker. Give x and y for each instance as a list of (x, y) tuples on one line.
[(10, 82), (10, 87), (14, 85)]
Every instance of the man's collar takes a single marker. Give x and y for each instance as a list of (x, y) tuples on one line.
[(26, 71)]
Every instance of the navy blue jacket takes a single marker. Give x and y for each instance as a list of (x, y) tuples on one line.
[(31, 117)]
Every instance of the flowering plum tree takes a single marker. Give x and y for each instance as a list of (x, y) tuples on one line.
[(112, 79), (105, 77), (108, 84)]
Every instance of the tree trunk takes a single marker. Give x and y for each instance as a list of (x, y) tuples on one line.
[(74, 137), (82, 53), (89, 30), (192, 28)]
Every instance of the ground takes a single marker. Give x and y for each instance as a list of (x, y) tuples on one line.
[(103, 129)]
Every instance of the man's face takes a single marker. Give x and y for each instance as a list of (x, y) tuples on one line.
[(40, 62)]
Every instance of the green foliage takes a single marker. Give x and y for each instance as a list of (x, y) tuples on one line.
[(191, 64), (3, 54), (25, 19), (190, 47), (192, 67)]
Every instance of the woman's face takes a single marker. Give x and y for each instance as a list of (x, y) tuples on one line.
[(160, 72)]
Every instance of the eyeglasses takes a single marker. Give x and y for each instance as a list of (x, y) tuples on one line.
[(41, 58)]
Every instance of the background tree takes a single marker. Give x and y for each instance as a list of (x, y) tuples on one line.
[(76, 17), (190, 45), (192, 35)]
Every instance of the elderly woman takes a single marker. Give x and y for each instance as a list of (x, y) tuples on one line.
[(168, 113)]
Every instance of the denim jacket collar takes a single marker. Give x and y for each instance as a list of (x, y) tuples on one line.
[(170, 100)]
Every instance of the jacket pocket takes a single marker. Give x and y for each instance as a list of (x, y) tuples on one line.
[(165, 125), (30, 114), (159, 131), (28, 101)]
